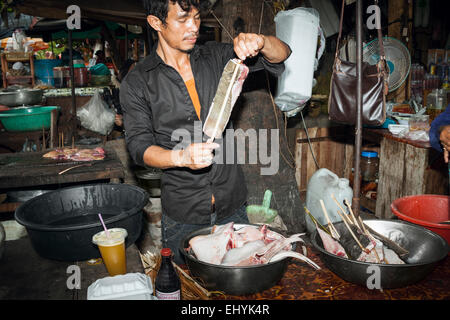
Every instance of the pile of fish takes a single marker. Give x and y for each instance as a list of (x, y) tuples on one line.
[(357, 241), (246, 246)]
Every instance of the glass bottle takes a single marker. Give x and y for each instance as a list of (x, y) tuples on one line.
[(167, 283), (369, 166)]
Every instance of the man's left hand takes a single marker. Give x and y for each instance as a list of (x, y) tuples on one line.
[(248, 45)]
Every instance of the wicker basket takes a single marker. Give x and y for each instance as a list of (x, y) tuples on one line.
[(17, 55), (17, 73)]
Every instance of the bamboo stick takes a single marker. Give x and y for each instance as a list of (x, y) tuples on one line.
[(352, 214), (330, 224), (44, 146), (353, 235), (342, 209), (367, 233), (315, 221)]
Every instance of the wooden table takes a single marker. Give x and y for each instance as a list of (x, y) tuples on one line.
[(29, 170), (301, 282), (24, 275), (406, 168)]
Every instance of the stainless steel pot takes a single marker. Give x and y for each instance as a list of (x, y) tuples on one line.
[(233, 280), (19, 97), (425, 248)]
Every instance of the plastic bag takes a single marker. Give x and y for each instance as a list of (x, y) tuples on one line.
[(415, 135), (96, 115)]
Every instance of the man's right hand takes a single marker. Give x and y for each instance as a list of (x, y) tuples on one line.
[(197, 155)]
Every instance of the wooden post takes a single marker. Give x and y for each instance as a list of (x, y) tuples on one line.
[(401, 29), (73, 116), (358, 128)]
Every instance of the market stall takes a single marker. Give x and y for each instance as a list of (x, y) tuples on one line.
[(308, 240)]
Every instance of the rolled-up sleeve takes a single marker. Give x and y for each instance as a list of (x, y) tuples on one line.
[(137, 117), (258, 63)]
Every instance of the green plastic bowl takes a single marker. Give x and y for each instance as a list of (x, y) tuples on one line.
[(27, 119)]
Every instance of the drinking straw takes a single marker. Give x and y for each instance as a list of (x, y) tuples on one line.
[(104, 227)]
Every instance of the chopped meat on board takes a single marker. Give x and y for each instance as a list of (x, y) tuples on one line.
[(75, 154)]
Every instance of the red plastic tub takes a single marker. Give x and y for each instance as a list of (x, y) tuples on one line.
[(425, 210)]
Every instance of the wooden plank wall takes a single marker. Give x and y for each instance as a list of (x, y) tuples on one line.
[(333, 149), (408, 170)]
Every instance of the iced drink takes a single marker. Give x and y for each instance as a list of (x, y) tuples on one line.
[(112, 250)]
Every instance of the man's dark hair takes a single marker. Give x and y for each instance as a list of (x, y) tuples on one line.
[(160, 8)]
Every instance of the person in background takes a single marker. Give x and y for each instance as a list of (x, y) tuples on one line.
[(126, 67), (172, 88), (440, 133), (100, 57)]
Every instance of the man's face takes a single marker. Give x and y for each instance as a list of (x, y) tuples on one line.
[(182, 28)]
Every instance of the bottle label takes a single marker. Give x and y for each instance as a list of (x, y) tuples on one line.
[(168, 295)]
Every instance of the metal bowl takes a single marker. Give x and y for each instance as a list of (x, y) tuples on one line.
[(233, 280), (425, 248), (19, 97)]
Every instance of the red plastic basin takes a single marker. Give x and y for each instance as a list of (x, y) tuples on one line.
[(426, 210)]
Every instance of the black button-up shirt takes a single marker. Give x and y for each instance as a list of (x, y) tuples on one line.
[(156, 102)]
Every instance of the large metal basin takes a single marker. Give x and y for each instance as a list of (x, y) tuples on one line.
[(425, 248), (20, 97), (233, 280)]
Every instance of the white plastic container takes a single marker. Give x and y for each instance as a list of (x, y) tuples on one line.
[(321, 186), (130, 286), (299, 28)]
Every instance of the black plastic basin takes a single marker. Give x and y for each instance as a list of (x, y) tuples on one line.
[(61, 223)]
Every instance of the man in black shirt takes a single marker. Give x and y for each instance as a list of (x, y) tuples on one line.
[(172, 89)]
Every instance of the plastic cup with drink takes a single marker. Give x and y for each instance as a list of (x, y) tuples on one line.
[(111, 244)]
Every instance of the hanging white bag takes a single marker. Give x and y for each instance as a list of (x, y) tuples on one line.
[(299, 28)]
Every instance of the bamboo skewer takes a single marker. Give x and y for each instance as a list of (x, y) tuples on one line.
[(315, 221), (43, 139), (77, 166), (351, 213), (367, 233), (333, 230), (342, 209), (351, 232)]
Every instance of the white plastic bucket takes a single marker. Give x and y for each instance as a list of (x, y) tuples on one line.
[(299, 28), (321, 186)]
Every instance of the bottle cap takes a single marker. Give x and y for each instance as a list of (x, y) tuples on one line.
[(369, 154), (166, 252)]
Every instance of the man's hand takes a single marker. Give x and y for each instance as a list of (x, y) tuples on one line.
[(445, 141), (197, 155), (248, 45)]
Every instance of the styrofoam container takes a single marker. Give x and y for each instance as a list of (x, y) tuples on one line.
[(130, 286), (397, 128), (13, 230)]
